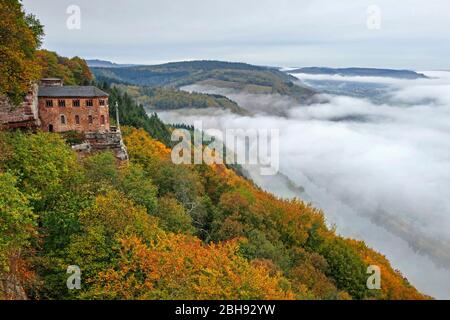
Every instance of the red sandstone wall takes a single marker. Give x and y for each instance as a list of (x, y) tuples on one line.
[(52, 115), (22, 116)]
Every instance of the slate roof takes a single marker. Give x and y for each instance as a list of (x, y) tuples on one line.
[(71, 92)]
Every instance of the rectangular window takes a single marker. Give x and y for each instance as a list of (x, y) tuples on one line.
[(77, 119), (76, 103), (102, 102), (49, 103), (102, 120), (63, 119), (61, 103), (89, 103), (90, 120)]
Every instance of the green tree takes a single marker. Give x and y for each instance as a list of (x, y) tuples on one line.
[(137, 185), (345, 267), (44, 165), (173, 217), (133, 114), (101, 169)]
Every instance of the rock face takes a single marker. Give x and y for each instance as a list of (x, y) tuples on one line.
[(24, 116), (102, 141)]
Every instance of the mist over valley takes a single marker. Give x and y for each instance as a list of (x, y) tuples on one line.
[(373, 154)]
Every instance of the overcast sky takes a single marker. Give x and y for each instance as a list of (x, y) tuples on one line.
[(412, 33)]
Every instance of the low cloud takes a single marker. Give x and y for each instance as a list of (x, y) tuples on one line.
[(257, 104)]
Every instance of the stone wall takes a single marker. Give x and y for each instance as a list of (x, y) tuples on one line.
[(26, 115), (111, 141)]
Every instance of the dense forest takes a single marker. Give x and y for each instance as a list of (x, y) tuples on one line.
[(150, 229), (161, 98)]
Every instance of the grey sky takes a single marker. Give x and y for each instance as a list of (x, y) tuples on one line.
[(414, 33)]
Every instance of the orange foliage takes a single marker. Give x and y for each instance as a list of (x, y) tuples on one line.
[(181, 267), (140, 144)]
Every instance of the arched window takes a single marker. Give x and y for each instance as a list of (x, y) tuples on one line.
[(102, 120), (63, 119), (77, 119)]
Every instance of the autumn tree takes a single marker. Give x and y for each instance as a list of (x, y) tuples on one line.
[(73, 71), (181, 267), (17, 228), (93, 247), (20, 36)]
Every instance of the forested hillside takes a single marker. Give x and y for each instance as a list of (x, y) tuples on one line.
[(171, 99), (150, 229), (239, 76)]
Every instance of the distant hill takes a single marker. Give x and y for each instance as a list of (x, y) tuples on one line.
[(95, 63), (239, 76), (361, 72)]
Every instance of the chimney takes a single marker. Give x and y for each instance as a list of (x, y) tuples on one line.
[(51, 82)]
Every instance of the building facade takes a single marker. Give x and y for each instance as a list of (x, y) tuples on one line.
[(72, 108)]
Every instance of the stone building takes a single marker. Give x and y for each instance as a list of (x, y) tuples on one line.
[(53, 107), (72, 108)]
